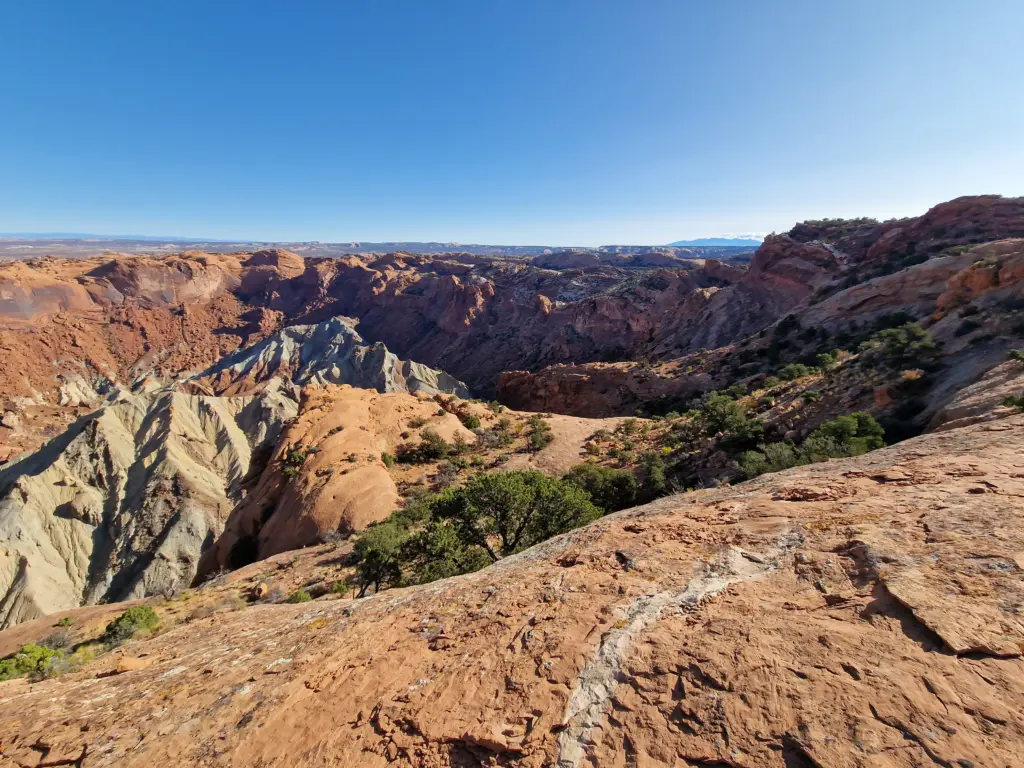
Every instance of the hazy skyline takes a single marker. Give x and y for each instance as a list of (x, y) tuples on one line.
[(744, 239), (569, 123)]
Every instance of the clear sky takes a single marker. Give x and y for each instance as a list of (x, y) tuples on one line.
[(489, 121)]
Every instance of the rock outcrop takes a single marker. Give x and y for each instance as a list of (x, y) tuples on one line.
[(640, 259), (963, 221), (857, 612), (476, 321), (474, 317), (333, 472), (123, 503), (327, 474), (108, 320), (991, 273), (127, 500), (985, 400), (331, 352), (983, 285), (113, 320), (600, 390)]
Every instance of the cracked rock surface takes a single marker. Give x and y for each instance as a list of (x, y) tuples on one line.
[(860, 612)]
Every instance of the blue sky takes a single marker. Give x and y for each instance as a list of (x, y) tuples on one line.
[(550, 121)]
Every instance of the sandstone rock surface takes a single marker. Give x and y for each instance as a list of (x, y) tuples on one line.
[(858, 612), (339, 485), (984, 400)]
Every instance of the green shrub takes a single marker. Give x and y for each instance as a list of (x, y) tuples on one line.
[(1014, 402), (718, 413), (1016, 354), (378, 554), (743, 435), (539, 435), (469, 420), (34, 660), (299, 596), (813, 396), (505, 512), (292, 462), (438, 551), (655, 483), (124, 627), (718, 416), (67, 621), (464, 529), (827, 361), (772, 457), (908, 345), (608, 488), (735, 391), (850, 435), (858, 433), (388, 459), (795, 371), (498, 436), (622, 454), (432, 447)]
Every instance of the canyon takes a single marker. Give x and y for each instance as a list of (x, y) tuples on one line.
[(206, 433)]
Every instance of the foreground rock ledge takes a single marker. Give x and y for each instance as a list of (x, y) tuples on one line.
[(862, 612)]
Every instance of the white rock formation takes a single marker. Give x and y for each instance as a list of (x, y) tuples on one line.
[(331, 352), (125, 501)]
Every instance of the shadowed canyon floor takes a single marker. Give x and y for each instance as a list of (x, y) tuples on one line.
[(859, 612)]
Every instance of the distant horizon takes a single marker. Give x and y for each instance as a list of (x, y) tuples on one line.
[(727, 240)]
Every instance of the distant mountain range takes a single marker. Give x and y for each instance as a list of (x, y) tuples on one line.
[(713, 242)]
